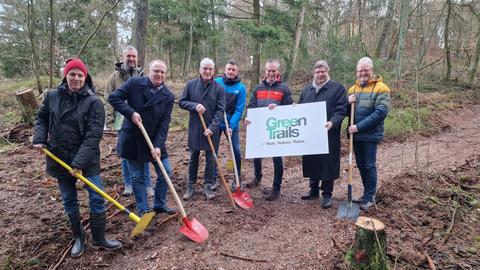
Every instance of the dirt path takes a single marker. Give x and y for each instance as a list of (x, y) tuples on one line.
[(285, 234)]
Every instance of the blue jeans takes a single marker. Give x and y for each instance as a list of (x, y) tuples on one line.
[(277, 170), (236, 152), (193, 167), (366, 157), (139, 187), (127, 178), (69, 194)]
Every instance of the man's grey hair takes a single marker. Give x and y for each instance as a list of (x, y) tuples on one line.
[(321, 63), (232, 62), (206, 61), (273, 61), (129, 48), (365, 61), (156, 61)]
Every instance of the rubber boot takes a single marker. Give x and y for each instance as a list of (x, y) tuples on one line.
[(314, 191), (97, 224), (78, 234)]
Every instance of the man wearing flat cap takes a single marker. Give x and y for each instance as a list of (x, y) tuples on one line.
[(69, 124)]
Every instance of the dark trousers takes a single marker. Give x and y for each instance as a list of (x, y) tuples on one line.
[(193, 167), (277, 170), (326, 187), (366, 157)]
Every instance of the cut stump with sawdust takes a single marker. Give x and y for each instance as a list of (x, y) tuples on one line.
[(28, 104), (370, 247)]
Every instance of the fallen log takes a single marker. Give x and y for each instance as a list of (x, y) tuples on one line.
[(370, 247)]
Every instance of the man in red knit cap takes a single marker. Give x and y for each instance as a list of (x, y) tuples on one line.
[(70, 125)]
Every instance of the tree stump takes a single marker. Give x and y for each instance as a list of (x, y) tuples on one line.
[(28, 105), (370, 248)]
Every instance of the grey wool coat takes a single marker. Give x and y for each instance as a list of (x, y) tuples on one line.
[(212, 97), (326, 167)]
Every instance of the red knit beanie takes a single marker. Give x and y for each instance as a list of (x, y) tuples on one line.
[(74, 63)]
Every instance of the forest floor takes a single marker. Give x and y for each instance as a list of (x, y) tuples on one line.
[(429, 202)]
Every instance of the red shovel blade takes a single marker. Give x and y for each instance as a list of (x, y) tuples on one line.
[(242, 199), (194, 230)]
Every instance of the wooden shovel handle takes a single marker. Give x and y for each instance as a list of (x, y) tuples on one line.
[(350, 145)]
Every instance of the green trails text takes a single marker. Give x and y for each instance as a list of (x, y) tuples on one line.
[(284, 128)]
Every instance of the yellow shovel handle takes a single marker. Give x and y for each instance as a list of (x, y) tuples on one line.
[(92, 186)]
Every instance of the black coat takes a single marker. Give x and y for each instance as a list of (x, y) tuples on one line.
[(212, 98), (71, 125), (326, 167), (155, 110)]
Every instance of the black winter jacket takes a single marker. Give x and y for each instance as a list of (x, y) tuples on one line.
[(71, 125)]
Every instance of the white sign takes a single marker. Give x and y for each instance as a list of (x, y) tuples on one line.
[(289, 130)]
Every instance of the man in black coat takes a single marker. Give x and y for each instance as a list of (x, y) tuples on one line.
[(203, 95), (70, 125), (150, 102), (325, 167)]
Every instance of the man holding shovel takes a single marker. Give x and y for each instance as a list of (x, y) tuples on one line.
[(150, 102), (235, 96), (70, 124), (205, 96), (372, 104)]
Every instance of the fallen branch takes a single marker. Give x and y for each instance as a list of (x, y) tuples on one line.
[(409, 225), (431, 265), (167, 219), (242, 258)]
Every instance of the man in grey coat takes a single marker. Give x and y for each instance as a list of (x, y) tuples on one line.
[(325, 167), (205, 96)]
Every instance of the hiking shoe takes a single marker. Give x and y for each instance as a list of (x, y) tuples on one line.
[(208, 192), (189, 194), (311, 195), (215, 186), (128, 191), (327, 202), (366, 205), (273, 195), (253, 182), (165, 209), (150, 192), (359, 200)]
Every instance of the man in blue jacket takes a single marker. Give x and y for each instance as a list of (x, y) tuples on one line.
[(149, 102), (235, 96)]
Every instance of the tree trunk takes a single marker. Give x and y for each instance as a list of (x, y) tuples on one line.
[(186, 69), (360, 23), (446, 41), (386, 29), (114, 34), (52, 45), (474, 65), (28, 105), (294, 52), (256, 52), (33, 45), (141, 17), (369, 250), (214, 29), (404, 10)]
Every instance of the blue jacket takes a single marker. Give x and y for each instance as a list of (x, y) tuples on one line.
[(371, 108), (235, 96), (155, 110)]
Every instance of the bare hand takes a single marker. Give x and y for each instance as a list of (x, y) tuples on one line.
[(246, 122), (352, 99), (328, 125), (272, 106), (156, 153), (200, 108), (352, 129), (208, 132), (230, 132), (38, 147), (136, 119), (74, 172)]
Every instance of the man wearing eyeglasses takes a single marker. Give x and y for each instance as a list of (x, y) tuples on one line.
[(205, 96), (372, 104)]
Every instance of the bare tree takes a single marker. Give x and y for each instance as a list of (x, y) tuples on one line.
[(446, 41), (404, 9), (298, 36), (256, 52), (33, 45), (52, 45), (386, 29), (141, 18)]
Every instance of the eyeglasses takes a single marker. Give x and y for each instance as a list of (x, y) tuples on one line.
[(364, 70)]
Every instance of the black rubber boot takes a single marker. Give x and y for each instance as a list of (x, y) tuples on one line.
[(97, 224), (273, 194), (314, 191), (78, 234)]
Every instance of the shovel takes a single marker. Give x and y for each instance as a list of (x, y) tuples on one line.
[(142, 222), (219, 168), (348, 209), (192, 229), (243, 199)]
